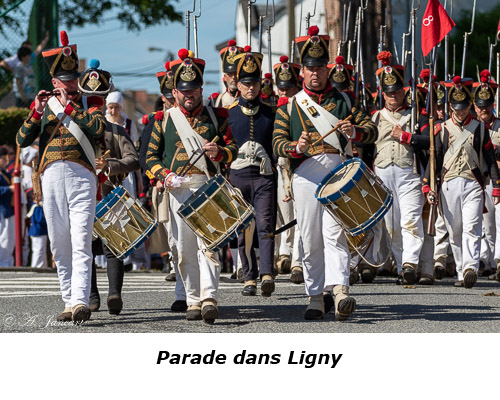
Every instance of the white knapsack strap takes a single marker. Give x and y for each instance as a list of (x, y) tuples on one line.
[(73, 128), (402, 122), (323, 121), (460, 141)]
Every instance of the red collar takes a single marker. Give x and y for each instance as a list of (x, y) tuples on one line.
[(194, 113), (461, 124), (325, 90)]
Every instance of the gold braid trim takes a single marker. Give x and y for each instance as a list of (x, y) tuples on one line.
[(283, 114), (282, 123)]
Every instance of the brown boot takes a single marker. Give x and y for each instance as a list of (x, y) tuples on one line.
[(297, 275), (316, 308), (344, 304), (470, 278), (267, 285), (65, 316), (284, 263), (209, 311), (80, 313)]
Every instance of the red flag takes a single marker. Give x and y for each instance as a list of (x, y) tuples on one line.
[(436, 24), (498, 31)]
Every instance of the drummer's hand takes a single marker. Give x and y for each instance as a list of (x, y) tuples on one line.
[(100, 163), (304, 141), (159, 185), (212, 150), (396, 132), (168, 181), (287, 198), (432, 197), (346, 128), (496, 200)]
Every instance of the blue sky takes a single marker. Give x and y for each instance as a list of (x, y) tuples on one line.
[(120, 50)]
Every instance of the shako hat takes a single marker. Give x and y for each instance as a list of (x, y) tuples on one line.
[(187, 70), (313, 48), (228, 55), (95, 81), (391, 76), (166, 81), (248, 65), (483, 94), (459, 92), (287, 74), (340, 73)]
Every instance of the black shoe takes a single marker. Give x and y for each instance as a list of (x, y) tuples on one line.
[(470, 278), (115, 304), (233, 276), (94, 303), (439, 272), (249, 290), (409, 276), (329, 302), (128, 267), (367, 275), (312, 314), (399, 281), (193, 315), (167, 267), (171, 277), (425, 280), (297, 276), (353, 277), (209, 314), (179, 306)]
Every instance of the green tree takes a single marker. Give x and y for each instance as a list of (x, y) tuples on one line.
[(485, 26), (133, 14)]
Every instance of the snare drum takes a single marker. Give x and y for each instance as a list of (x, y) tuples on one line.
[(354, 196), (122, 223), (216, 213)]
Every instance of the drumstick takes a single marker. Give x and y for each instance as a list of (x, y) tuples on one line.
[(304, 127), (182, 173), (106, 154), (331, 131)]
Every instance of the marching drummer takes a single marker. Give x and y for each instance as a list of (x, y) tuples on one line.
[(464, 152), (394, 164), (67, 159), (251, 122), (323, 243), (190, 123), (122, 159)]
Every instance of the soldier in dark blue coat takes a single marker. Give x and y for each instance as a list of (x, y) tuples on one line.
[(252, 122)]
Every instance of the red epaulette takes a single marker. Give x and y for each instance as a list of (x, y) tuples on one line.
[(95, 101), (159, 116), (213, 96), (423, 111), (32, 106), (222, 112), (282, 101), (145, 119), (437, 129)]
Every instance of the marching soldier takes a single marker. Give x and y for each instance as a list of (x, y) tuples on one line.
[(463, 153), (325, 254), (287, 76), (484, 98), (251, 122), (95, 84), (67, 132), (394, 163), (228, 55), (169, 150)]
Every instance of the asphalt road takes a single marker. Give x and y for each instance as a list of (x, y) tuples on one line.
[(30, 302)]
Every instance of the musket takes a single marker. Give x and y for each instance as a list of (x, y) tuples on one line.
[(249, 23), (498, 80), (269, 55), (361, 8), (454, 58), (362, 83), (446, 54), (381, 44), (345, 28), (492, 46), (396, 52), (309, 16), (195, 30), (466, 35), (404, 52), (188, 25), (431, 223), (413, 67), (261, 19)]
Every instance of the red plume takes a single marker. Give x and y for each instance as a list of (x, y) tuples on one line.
[(425, 74), (145, 119), (385, 57), (339, 60), (167, 65), (485, 73), (64, 38), (282, 101), (283, 59), (183, 54), (484, 79), (214, 95), (457, 80), (231, 43), (268, 75), (247, 49), (313, 30)]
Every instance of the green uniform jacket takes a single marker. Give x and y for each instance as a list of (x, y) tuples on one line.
[(63, 146), (166, 152), (288, 128)]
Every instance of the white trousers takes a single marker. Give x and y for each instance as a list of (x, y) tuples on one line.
[(462, 201), (180, 292), (39, 251), (7, 241), (323, 245), (404, 218), (200, 274), (69, 200), (489, 230)]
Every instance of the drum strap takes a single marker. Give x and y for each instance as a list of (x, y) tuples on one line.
[(322, 120), (73, 128), (461, 141)]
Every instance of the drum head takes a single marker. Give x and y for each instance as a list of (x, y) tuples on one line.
[(341, 179)]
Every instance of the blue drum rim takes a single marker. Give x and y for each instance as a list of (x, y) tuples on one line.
[(140, 240), (109, 201), (218, 245), (377, 217), (196, 199), (348, 185)]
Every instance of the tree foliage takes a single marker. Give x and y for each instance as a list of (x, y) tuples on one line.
[(133, 14), (477, 57)]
